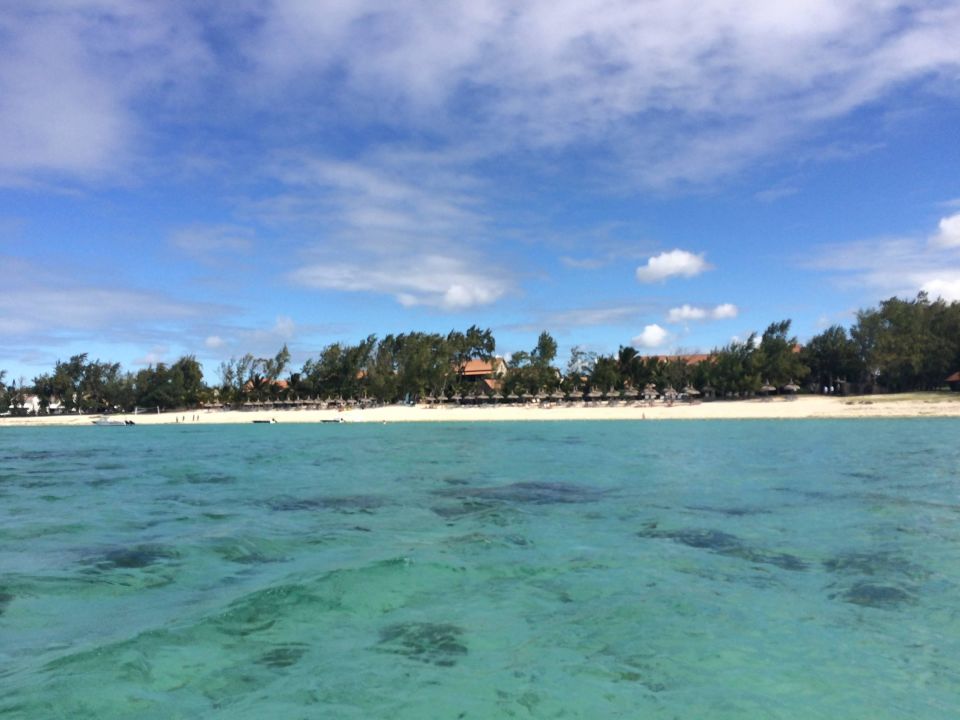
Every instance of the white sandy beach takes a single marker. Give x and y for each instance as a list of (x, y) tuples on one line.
[(871, 406)]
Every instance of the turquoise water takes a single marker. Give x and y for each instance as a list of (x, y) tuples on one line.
[(801, 569)]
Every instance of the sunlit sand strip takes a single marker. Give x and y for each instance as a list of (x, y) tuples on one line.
[(873, 406)]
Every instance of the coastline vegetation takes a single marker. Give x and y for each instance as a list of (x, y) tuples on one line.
[(899, 346)]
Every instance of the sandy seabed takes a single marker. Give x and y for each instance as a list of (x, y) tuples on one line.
[(806, 406)]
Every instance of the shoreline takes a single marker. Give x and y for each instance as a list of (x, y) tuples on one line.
[(909, 405)]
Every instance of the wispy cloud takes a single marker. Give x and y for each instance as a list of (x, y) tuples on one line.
[(775, 193), (661, 85), (73, 77), (613, 316), (898, 266), (213, 244), (86, 310), (434, 280), (40, 309), (657, 89), (406, 226)]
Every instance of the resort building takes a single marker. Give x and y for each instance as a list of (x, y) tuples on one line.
[(954, 381), (488, 373)]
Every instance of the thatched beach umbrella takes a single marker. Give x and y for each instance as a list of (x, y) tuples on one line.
[(791, 387), (496, 397), (649, 392), (691, 391), (594, 394), (556, 395)]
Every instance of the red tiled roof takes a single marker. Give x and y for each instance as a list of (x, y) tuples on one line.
[(474, 368), (954, 378), (492, 385)]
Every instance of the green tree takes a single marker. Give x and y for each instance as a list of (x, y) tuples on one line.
[(777, 358), (833, 356), (605, 375), (532, 372), (734, 368), (909, 344), (546, 350)]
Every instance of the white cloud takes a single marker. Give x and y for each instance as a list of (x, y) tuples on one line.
[(38, 309), (433, 280), (948, 232), (73, 74), (688, 313), (724, 311), (214, 342), (672, 264), (678, 91), (653, 336), (947, 287), (684, 313), (684, 90), (45, 313), (407, 226), (898, 266)]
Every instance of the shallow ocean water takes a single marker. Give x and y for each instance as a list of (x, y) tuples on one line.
[(783, 569)]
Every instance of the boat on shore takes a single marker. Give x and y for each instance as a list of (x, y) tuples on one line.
[(108, 422)]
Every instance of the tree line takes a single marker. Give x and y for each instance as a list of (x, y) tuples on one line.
[(901, 345)]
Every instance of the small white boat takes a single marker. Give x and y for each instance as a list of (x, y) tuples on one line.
[(107, 422)]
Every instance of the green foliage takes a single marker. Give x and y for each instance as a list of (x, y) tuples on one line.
[(734, 368), (532, 372), (546, 350), (833, 356), (776, 359), (909, 344), (606, 374), (900, 345)]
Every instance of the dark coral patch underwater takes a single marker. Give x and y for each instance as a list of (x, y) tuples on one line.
[(528, 493), (133, 558), (434, 643), (726, 544)]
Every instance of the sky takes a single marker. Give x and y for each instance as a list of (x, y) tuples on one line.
[(222, 177)]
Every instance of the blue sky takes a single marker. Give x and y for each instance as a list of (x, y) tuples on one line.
[(221, 177)]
